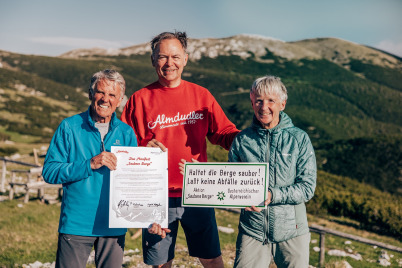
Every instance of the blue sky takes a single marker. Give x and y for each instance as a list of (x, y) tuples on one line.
[(52, 27)]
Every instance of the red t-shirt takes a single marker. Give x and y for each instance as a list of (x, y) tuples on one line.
[(180, 118)]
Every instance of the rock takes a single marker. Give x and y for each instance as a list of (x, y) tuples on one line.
[(316, 249), (384, 255), (384, 262), (226, 230), (130, 251), (91, 259), (337, 252), (127, 259), (38, 264), (384, 259), (15, 156)]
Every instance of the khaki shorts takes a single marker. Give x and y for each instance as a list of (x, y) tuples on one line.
[(290, 253)]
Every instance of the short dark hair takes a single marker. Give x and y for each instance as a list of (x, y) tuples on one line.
[(181, 36)]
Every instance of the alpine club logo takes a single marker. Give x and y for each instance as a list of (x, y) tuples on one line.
[(221, 196)]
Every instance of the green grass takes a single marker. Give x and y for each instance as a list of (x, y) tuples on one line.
[(19, 138), (29, 233)]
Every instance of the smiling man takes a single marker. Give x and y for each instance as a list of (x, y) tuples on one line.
[(281, 230), (79, 157), (179, 115)]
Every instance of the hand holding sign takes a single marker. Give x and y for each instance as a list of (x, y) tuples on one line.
[(104, 159), (225, 184), (183, 162), (155, 143), (257, 209)]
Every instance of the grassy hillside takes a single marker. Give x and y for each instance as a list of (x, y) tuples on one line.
[(351, 112), (369, 160), (328, 101), (371, 208), (338, 102)]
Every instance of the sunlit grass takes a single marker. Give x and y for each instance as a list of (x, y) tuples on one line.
[(29, 233), (25, 140)]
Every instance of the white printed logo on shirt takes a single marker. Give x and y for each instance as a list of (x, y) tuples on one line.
[(179, 119)]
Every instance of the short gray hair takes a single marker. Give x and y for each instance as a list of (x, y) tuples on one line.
[(108, 75), (155, 42), (268, 85)]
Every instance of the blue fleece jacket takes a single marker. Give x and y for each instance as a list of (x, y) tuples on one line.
[(85, 204)]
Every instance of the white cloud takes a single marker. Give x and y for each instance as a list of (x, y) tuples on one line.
[(391, 47), (74, 42)]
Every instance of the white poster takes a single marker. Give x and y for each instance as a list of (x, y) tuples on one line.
[(138, 188), (235, 185)]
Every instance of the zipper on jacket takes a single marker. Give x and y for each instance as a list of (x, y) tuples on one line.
[(102, 146), (106, 137), (266, 226), (103, 149)]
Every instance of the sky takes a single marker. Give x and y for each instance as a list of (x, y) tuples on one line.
[(53, 27)]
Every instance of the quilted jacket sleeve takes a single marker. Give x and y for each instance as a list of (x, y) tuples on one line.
[(304, 184)]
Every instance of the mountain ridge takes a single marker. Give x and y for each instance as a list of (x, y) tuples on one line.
[(247, 45)]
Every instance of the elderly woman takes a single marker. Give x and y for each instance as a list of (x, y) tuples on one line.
[(280, 230)]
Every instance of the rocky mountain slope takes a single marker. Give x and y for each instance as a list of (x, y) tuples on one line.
[(247, 46)]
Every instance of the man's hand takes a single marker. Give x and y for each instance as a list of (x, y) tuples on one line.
[(158, 230), (183, 161), (156, 143), (266, 203), (104, 159)]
